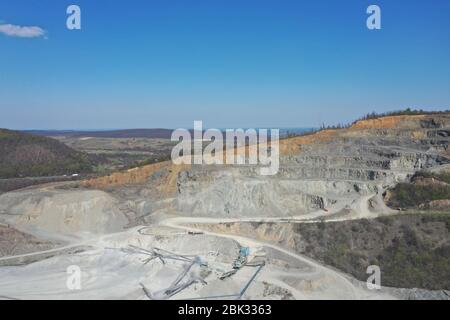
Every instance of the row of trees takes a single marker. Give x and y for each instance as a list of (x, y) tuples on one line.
[(406, 112), (369, 116)]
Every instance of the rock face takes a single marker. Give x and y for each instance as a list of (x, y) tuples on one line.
[(330, 169), (74, 213), (233, 193)]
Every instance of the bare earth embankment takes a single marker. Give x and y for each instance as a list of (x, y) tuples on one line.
[(161, 231)]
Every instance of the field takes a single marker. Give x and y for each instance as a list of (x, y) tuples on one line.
[(120, 153)]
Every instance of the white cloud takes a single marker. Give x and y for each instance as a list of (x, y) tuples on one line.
[(22, 32)]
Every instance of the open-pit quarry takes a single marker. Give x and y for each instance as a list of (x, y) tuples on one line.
[(219, 232)]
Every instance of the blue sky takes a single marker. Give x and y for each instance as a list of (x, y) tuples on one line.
[(230, 63)]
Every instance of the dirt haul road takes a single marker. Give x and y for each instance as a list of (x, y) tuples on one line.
[(347, 290), (109, 273)]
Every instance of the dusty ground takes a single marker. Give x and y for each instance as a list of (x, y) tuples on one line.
[(114, 227), (14, 242)]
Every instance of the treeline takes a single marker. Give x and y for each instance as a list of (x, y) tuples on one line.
[(369, 116), (374, 115), (62, 167), (406, 112)]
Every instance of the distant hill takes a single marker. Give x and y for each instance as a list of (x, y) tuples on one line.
[(138, 133), (26, 155), (126, 133)]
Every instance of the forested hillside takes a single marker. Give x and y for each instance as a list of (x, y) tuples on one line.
[(26, 155)]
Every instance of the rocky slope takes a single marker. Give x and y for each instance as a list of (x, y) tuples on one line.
[(329, 171), (58, 213), (14, 242), (324, 171), (332, 175)]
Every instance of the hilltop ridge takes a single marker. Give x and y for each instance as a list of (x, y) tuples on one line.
[(23, 155)]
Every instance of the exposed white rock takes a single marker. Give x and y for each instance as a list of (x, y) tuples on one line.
[(78, 213)]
